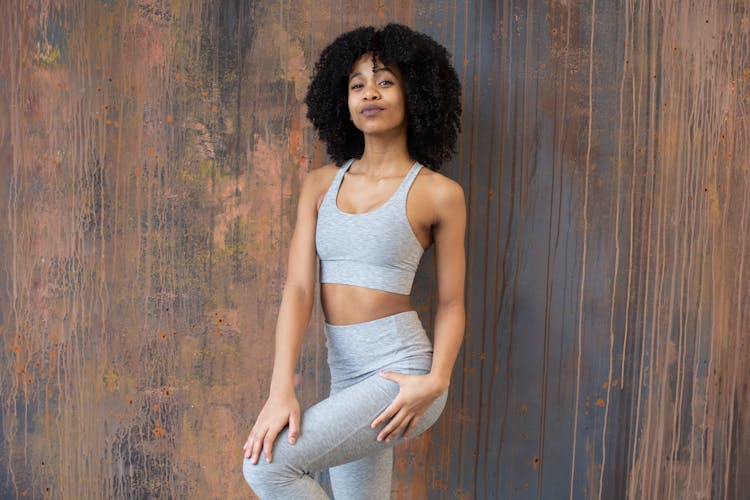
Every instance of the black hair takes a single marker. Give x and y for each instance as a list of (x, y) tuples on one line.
[(433, 92)]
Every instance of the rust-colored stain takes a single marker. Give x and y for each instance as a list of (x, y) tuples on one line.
[(151, 156)]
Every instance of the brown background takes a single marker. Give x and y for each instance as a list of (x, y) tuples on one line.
[(151, 154)]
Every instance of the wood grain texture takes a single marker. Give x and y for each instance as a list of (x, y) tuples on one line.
[(151, 155)]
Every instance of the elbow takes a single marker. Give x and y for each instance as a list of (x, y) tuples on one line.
[(453, 309), (301, 294), (455, 306), (299, 287)]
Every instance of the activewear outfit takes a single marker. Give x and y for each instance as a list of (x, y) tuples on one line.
[(375, 249)]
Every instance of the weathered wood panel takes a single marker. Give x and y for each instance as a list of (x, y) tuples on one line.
[(151, 154)]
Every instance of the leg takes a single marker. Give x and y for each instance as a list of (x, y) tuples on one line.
[(334, 431), (364, 479)]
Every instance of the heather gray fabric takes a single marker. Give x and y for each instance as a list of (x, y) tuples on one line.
[(336, 432), (375, 249)]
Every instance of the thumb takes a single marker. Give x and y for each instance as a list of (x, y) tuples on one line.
[(393, 376), (293, 427)]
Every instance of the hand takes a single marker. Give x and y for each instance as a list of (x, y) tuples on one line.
[(416, 394), (275, 415)]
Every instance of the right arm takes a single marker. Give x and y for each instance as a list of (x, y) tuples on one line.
[(282, 408)]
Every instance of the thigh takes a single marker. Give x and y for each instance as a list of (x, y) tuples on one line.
[(337, 429), (365, 479)]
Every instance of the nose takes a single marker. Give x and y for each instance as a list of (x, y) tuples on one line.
[(370, 92)]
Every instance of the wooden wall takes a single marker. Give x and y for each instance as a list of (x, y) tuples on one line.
[(151, 154)]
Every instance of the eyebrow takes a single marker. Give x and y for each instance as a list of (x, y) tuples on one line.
[(376, 70)]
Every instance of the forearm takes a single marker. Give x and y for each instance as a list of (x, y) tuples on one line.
[(450, 322), (294, 315)]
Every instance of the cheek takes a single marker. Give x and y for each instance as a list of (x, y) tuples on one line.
[(402, 106), (402, 100), (350, 106)]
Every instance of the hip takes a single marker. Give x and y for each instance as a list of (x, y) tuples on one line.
[(397, 342)]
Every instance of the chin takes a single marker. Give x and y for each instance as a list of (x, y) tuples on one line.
[(377, 128)]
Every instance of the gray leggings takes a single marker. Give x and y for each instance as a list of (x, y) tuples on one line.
[(336, 432)]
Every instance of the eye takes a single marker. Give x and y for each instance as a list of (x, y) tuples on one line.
[(356, 86), (385, 83)]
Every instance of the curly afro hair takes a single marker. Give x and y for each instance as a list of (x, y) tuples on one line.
[(433, 92)]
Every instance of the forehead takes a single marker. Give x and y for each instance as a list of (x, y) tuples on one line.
[(364, 66)]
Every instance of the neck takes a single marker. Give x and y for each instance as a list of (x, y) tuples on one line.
[(385, 156)]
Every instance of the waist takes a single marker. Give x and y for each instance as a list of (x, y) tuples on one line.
[(403, 320), (396, 341), (347, 304)]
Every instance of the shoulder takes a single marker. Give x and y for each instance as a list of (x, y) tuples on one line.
[(320, 176), (317, 182), (439, 183), (445, 193)]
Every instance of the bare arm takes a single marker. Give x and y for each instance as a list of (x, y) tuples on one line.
[(282, 408), (298, 295), (450, 319), (417, 392)]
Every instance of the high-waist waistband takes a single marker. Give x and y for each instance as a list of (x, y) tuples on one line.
[(387, 343), (410, 316)]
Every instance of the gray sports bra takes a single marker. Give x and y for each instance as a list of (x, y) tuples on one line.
[(375, 249)]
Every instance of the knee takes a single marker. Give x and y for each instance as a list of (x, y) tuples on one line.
[(265, 478)]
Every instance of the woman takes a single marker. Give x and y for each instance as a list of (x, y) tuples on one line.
[(385, 102)]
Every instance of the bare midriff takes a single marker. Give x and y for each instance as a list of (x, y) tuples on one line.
[(349, 304)]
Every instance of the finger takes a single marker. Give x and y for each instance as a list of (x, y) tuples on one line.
[(248, 442), (247, 445), (398, 431), (394, 423), (389, 412), (268, 443), (255, 447), (249, 450), (293, 427), (412, 426)]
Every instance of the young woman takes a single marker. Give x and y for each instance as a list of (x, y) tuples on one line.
[(386, 102)]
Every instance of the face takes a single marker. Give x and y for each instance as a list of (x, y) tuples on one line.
[(376, 97)]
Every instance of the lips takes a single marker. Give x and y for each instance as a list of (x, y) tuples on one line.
[(371, 110)]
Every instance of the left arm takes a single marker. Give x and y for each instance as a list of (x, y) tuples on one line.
[(450, 319), (418, 392)]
